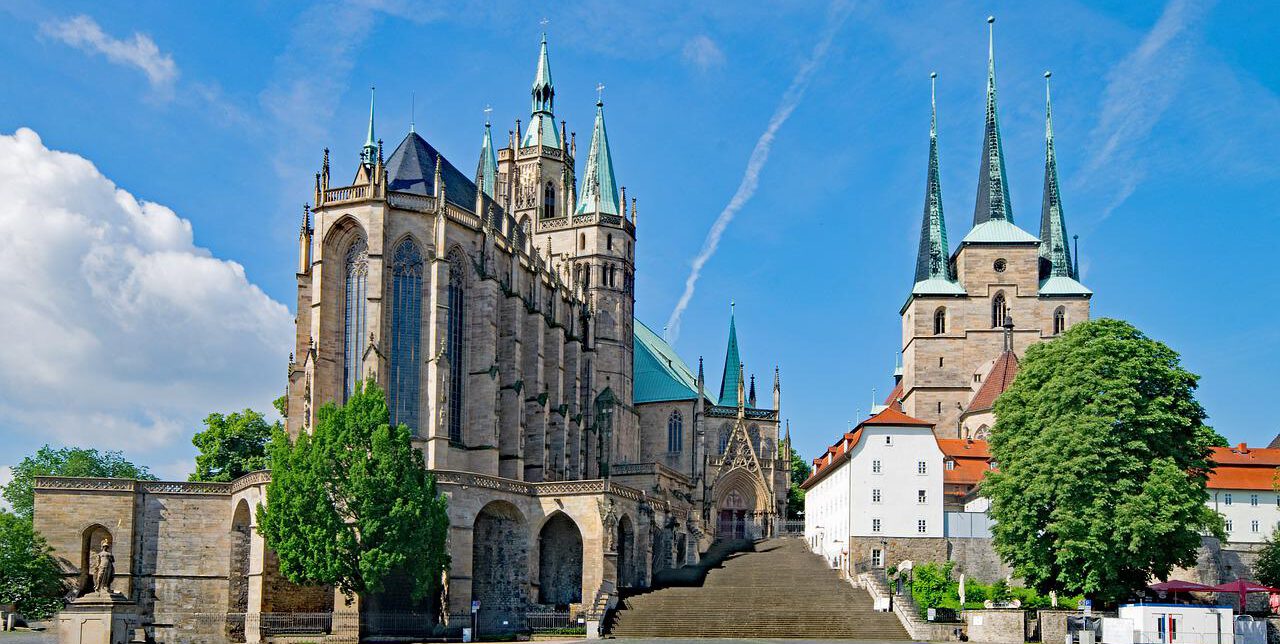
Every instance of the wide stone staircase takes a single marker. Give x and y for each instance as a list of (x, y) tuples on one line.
[(774, 589)]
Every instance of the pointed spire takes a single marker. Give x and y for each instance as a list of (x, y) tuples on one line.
[(599, 187), (1055, 253), (731, 380), (369, 153), (487, 172), (742, 398), (751, 397), (934, 253), (542, 123), (993, 184)]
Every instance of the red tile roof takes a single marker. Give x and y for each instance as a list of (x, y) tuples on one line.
[(971, 457), (964, 448), (1244, 468), (996, 382), (894, 399), (893, 416)]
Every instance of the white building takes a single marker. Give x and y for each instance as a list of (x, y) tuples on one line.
[(1242, 490), (882, 481)]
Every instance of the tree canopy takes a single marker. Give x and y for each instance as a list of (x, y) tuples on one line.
[(800, 471), (68, 461), (29, 576), (352, 502), (1102, 456), (232, 445)]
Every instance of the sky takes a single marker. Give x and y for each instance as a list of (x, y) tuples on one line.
[(154, 162)]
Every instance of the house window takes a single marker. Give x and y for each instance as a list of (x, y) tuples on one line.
[(977, 377), (888, 440), (1254, 525), (1228, 527), (1226, 499), (921, 526), (922, 467), (877, 558), (922, 496), (1059, 320), (875, 495), (951, 465), (1253, 499), (940, 321), (875, 525), (875, 466), (999, 310)]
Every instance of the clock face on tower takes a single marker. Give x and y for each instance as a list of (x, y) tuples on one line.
[(1000, 265)]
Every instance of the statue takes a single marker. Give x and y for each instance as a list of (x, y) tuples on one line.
[(103, 569)]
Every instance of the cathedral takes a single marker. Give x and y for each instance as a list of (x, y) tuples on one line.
[(579, 453)]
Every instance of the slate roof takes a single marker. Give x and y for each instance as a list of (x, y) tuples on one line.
[(412, 168), (659, 373), (997, 380)]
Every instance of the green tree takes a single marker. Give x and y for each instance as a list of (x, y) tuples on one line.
[(353, 502), (29, 575), (69, 461), (232, 445), (1102, 456), (800, 472), (1267, 567), (282, 405)]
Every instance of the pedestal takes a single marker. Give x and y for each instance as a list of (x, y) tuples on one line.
[(97, 619)]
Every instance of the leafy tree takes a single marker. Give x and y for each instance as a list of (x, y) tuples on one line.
[(69, 461), (1267, 567), (1102, 457), (29, 575), (282, 405), (232, 446), (353, 502), (931, 585), (800, 471)]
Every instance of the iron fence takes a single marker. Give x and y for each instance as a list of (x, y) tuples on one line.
[(400, 623), (544, 621), (791, 527), (295, 623)]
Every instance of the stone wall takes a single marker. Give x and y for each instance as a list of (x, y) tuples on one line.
[(977, 559), (898, 549), (995, 626)]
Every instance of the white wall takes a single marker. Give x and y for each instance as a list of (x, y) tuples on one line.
[(1249, 522), (898, 481), (826, 512)]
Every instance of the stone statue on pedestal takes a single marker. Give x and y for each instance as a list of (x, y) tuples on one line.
[(103, 569)]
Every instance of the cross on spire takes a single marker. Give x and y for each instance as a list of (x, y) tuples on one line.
[(487, 110), (599, 93), (544, 22)]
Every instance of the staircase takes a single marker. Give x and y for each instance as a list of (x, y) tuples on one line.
[(776, 589)]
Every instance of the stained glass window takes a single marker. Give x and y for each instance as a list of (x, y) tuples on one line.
[(355, 294), (675, 432), (455, 344), (406, 331)]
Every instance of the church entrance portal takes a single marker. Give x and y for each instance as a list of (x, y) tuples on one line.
[(732, 523)]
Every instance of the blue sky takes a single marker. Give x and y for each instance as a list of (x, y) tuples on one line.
[(1166, 121)]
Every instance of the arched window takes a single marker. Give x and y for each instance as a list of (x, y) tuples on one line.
[(549, 201), (999, 310), (406, 331), (1059, 320), (724, 438), (455, 344), (940, 321), (355, 295), (608, 241), (675, 432), (582, 241)]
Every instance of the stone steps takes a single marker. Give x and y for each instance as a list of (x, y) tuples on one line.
[(778, 590)]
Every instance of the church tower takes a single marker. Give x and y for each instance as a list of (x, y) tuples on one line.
[(1001, 291)]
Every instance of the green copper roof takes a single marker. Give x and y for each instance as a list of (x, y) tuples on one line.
[(660, 374), (937, 286), (1062, 285), (1055, 253), (932, 263), (732, 368), (487, 172), (542, 79), (542, 124), (542, 131), (369, 153), (599, 187), (993, 183), (998, 231)]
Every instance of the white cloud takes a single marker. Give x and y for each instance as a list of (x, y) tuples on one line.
[(141, 51), (703, 53), (121, 332)]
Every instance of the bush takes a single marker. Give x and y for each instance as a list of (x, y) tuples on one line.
[(931, 585)]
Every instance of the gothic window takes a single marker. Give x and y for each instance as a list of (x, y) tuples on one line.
[(355, 290), (940, 321), (724, 439), (608, 241), (604, 275), (455, 345), (406, 330), (675, 432), (549, 201), (582, 241), (999, 310), (1059, 320)]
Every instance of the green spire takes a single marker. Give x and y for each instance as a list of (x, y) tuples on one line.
[(542, 123), (993, 184), (599, 187), (1055, 253), (487, 172), (369, 153), (931, 260), (731, 379)]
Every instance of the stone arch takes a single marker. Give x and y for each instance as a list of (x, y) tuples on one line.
[(343, 231), (91, 540), (741, 505), (500, 567), (626, 545), (238, 571), (982, 433), (559, 561)]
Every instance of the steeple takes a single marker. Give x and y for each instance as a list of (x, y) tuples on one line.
[(993, 185), (599, 193), (751, 397), (731, 380), (777, 390), (487, 170), (933, 268), (369, 153), (542, 124), (1055, 252)]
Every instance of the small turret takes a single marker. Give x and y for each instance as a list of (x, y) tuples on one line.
[(369, 153), (751, 397), (542, 122), (487, 168), (304, 241), (777, 390), (599, 186)]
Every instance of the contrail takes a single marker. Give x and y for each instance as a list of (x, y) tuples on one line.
[(759, 155)]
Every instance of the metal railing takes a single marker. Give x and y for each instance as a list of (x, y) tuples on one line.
[(295, 623), (543, 621), (791, 527), (402, 623)]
